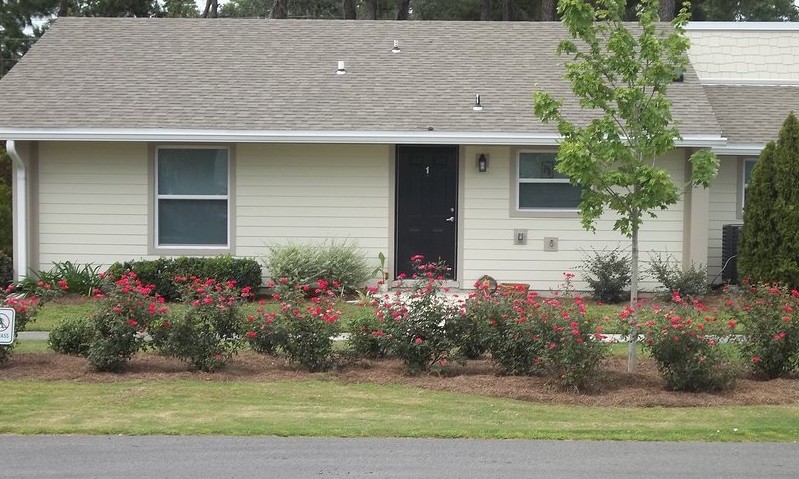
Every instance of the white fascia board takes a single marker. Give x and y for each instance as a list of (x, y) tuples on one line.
[(358, 137), (752, 149), (246, 136), (743, 26)]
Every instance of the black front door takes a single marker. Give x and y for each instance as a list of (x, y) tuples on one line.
[(427, 194)]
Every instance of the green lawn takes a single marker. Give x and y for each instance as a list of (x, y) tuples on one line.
[(329, 408)]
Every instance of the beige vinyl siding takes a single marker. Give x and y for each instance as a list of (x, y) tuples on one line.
[(724, 197), (488, 235), (312, 193), (764, 53), (92, 203)]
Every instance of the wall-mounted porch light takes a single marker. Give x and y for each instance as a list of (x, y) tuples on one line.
[(482, 163), (477, 105)]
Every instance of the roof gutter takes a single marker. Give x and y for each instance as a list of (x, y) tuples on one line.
[(751, 149), (20, 210), (284, 136)]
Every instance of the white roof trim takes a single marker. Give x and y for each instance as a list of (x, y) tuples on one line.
[(751, 149), (770, 82), (739, 26), (369, 137)]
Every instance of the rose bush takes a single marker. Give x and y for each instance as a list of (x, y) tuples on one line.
[(684, 338), (119, 323), (770, 339), (209, 331)]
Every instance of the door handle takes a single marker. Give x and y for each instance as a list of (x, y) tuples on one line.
[(451, 219)]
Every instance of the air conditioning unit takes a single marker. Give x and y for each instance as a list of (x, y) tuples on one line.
[(730, 236)]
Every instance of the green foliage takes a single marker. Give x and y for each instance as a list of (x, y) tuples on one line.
[(264, 335), (208, 332), (366, 333), (670, 273), (162, 272), (769, 315), (769, 249), (624, 78), (608, 274), (621, 76), (306, 331), (6, 220), (750, 11), (66, 277), (6, 271), (684, 339), (551, 337), (417, 325), (25, 309), (72, 336), (124, 310), (342, 265)]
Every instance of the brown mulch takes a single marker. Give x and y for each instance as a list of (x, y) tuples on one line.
[(615, 387)]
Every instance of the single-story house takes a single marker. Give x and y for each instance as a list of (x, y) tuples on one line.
[(140, 138)]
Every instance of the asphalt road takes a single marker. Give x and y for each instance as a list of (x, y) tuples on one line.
[(273, 457)]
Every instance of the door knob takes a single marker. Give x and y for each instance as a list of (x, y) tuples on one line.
[(451, 219)]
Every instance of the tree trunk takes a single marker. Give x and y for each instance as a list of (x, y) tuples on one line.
[(485, 10), (632, 341), (666, 10), (63, 8), (508, 6), (211, 9), (402, 9), (279, 9), (548, 10), (349, 10), (371, 10)]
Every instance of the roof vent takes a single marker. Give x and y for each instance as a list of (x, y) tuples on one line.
[(396, 48), (679, 75), (341, 68), (477, 105)]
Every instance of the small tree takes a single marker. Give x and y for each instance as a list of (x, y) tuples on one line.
[(769, 250), (623, 76)]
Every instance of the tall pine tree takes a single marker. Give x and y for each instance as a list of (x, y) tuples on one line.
[(769, 249)]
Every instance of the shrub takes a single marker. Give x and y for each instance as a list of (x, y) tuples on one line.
[(25, 310), (418, 324), (769, 248), (72, 336), (80, 279), (670, 273), (208, 333), (124, 310), (552, 337), (341, 265), (608, 274), (306, 330), (263, 334), (366, 334), (6, 270), (161, 272), (768, 314), (684, 339)]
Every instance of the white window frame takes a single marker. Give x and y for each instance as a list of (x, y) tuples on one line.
[(156, 248), (743, 184), (516, 181)]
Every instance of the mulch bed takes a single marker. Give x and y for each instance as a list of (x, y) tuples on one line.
[(615, 387)]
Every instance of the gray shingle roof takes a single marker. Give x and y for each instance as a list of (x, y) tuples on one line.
[(254, 74), (752, 114)]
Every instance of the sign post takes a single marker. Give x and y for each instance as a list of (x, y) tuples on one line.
[(7, 325)]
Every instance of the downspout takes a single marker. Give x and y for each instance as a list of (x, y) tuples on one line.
[(20, 210)]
